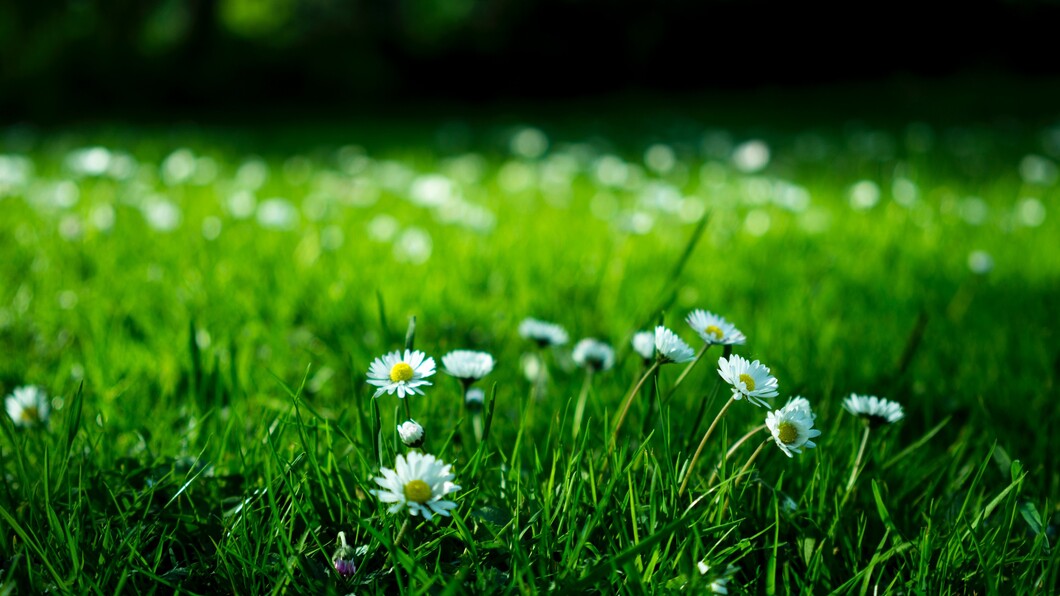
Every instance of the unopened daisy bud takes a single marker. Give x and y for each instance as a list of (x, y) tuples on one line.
[(411, 433), (475, 398), (343, 558)]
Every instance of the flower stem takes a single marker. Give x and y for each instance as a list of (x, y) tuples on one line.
[(702, 444), (750, 460), (629, 401), (583, 397), (733, 449), (687, 370)]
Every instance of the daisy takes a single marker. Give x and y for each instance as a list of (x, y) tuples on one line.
[(792, 426), (748, 379), (543, 332), (714, 329), (467, 365), (800, 402), (405, 375), (644, 344), (876, 410), (28, 406), (594, 354), (418, 482), (411, 433), (671, 348)]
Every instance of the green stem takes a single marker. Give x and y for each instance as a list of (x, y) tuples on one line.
[(733, 449), (583, 397), (702, 444), (629, 401), (687, 370)]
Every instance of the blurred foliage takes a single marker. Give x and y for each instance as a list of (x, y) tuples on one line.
[(76, 56)]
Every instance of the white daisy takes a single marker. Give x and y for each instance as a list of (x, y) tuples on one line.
[(467, 365), (594, 354), (714, 329), (876, 410), (418, 482), (28, 406), (801, 402), (403, 374), (748, 379), (411, 433), (543, 332), (792, 426), (644, 344), (671, 348)]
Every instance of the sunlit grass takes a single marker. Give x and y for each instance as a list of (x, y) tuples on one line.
[(204, 320)]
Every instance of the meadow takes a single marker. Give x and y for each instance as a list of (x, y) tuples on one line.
[(202, 306)]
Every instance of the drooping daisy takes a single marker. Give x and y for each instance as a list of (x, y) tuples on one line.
[(594, 354), (876, 410), (748, 379), (792, 426), (714, 329), (342, 560), (644, 344), (28, 406), (543, 332), (418, 482), (670, 348), (411, 433), (467, 365), (403, 374)]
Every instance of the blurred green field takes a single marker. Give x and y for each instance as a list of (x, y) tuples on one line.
[(220, 294)]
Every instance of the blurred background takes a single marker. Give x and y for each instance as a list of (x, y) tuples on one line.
[(65, 60)]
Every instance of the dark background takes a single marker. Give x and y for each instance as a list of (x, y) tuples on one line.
[(63, 60)]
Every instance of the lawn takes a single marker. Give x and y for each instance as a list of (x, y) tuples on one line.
[(202, 306)]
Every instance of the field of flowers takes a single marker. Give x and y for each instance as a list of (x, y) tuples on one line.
[(511, 358)]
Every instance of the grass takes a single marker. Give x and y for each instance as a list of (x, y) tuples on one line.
[(212, 429)]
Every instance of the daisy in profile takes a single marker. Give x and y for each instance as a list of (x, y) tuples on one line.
[(28, 406), (875, 410), (593, 354), (543, 333), (792, 426), (670, 348), (748, 379), (467, 365), (419, 483), (404, 374), (644, 344), (714, 329)]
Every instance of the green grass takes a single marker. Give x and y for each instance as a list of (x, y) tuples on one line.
[(213, 432)]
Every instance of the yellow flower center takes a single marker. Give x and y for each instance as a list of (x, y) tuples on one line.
[(418, 491), (746, 378), (30, 414), (787, 433), (715, 331), (401, 372)]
